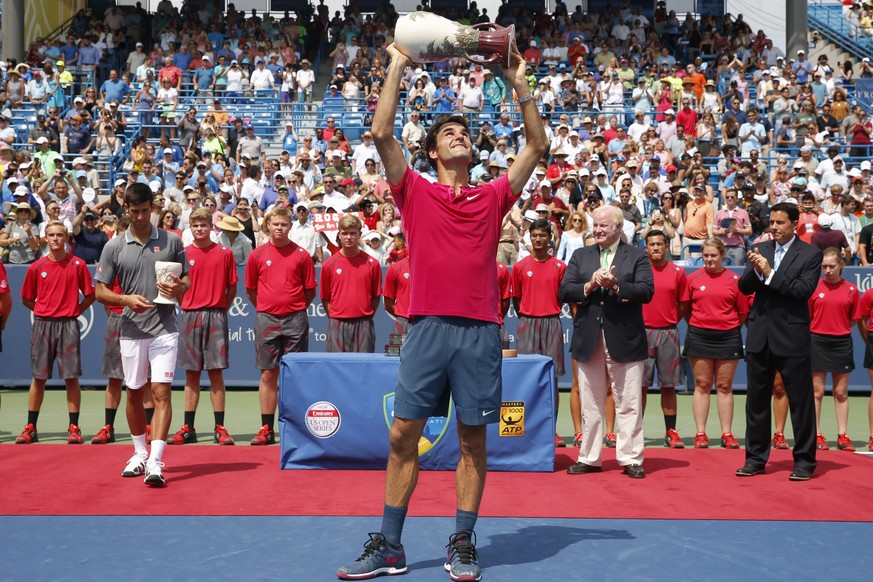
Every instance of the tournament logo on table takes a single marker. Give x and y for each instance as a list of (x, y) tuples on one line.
[(433, 431), (512, 419), (323, 419)]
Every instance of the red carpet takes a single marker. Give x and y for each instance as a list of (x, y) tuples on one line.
[(242, 480)]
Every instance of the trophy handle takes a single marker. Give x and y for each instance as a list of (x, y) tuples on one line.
[(498, 40)]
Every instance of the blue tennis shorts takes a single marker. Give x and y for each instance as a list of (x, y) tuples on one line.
[(450, 356)]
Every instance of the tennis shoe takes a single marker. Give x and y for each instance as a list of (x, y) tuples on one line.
[(221, 436), (135, 467), (701, 441), (779, 441), (184, 435), (844, 443), (74, 435), (728, 441), (559, 442), (379, 559), (154, 476), (673, 440), (577, 439), (820, 442), (264, 437), (462, 560), (610, 440), (28, 435), (104, 436)]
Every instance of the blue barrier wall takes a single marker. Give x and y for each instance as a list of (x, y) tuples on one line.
[(15, 359)]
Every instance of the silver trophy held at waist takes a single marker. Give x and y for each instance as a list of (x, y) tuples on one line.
[(164, 272)]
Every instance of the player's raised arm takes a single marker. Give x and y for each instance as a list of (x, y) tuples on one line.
[(383, 120)]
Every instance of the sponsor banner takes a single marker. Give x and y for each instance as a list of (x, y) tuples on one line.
[(342, 420)]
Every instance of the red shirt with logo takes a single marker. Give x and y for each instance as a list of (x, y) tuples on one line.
[(212, 270), (671, 288), (55, 286), (716, 300), (397, 286), (833, 307), (536, 284), (280, 275), (461, 282), (4, 282), (350, 284)]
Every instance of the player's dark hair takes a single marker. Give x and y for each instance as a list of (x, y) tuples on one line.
[(541, 224), (138, 193), (430, 138)]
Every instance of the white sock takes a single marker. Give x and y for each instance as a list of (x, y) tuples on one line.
[(157, 451), (139, 445)]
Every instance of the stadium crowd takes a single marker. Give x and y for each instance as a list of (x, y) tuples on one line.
[(693, 128)]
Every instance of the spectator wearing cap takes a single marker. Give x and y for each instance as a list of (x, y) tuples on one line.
[(334, 99), (252, 146), (364, 152), (826, 237), (77, 138), (470, 96), (532, 54), (304, 78), (89, 238), (559, 169), (493, 88), (802, 68), (136, 58), (261, 80), (303, 232), (310, 174), (204, 78), (38, 89), (667, 128), (836, 176), (698, 217)]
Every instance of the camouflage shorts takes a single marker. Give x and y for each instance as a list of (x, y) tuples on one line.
[(55, 339), (203, 339), (542, 335)]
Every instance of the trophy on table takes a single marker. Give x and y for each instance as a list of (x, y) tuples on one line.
[(164, 272), (427, 38)]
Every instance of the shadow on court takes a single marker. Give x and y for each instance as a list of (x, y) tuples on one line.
[(533, 544), (183, 472)]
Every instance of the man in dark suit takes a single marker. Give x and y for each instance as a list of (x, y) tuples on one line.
[(783, 274), (610, 282)]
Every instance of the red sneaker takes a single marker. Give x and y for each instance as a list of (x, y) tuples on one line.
[(148, 434), (27, 436), (610, 440), (779, 441), (728, 441), (184, 435), (559, 442), (870, 444), (577, 439), (672, 440), (701, 441), (264, 437), (74, 435), (104, 435), (844, 443), (820, 442), (221, 436)]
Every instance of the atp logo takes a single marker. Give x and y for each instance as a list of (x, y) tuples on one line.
[(434, 429), (85, 321)]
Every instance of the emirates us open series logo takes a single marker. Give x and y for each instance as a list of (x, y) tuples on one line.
[(323, 419)]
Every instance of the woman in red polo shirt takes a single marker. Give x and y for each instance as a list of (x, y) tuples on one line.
[(833, 309), (713, 342)]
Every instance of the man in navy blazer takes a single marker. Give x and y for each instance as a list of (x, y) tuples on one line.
[(610, 281), (783, 274)]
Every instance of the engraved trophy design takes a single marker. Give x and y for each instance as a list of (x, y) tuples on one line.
[(427, 38), (164, 271)]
